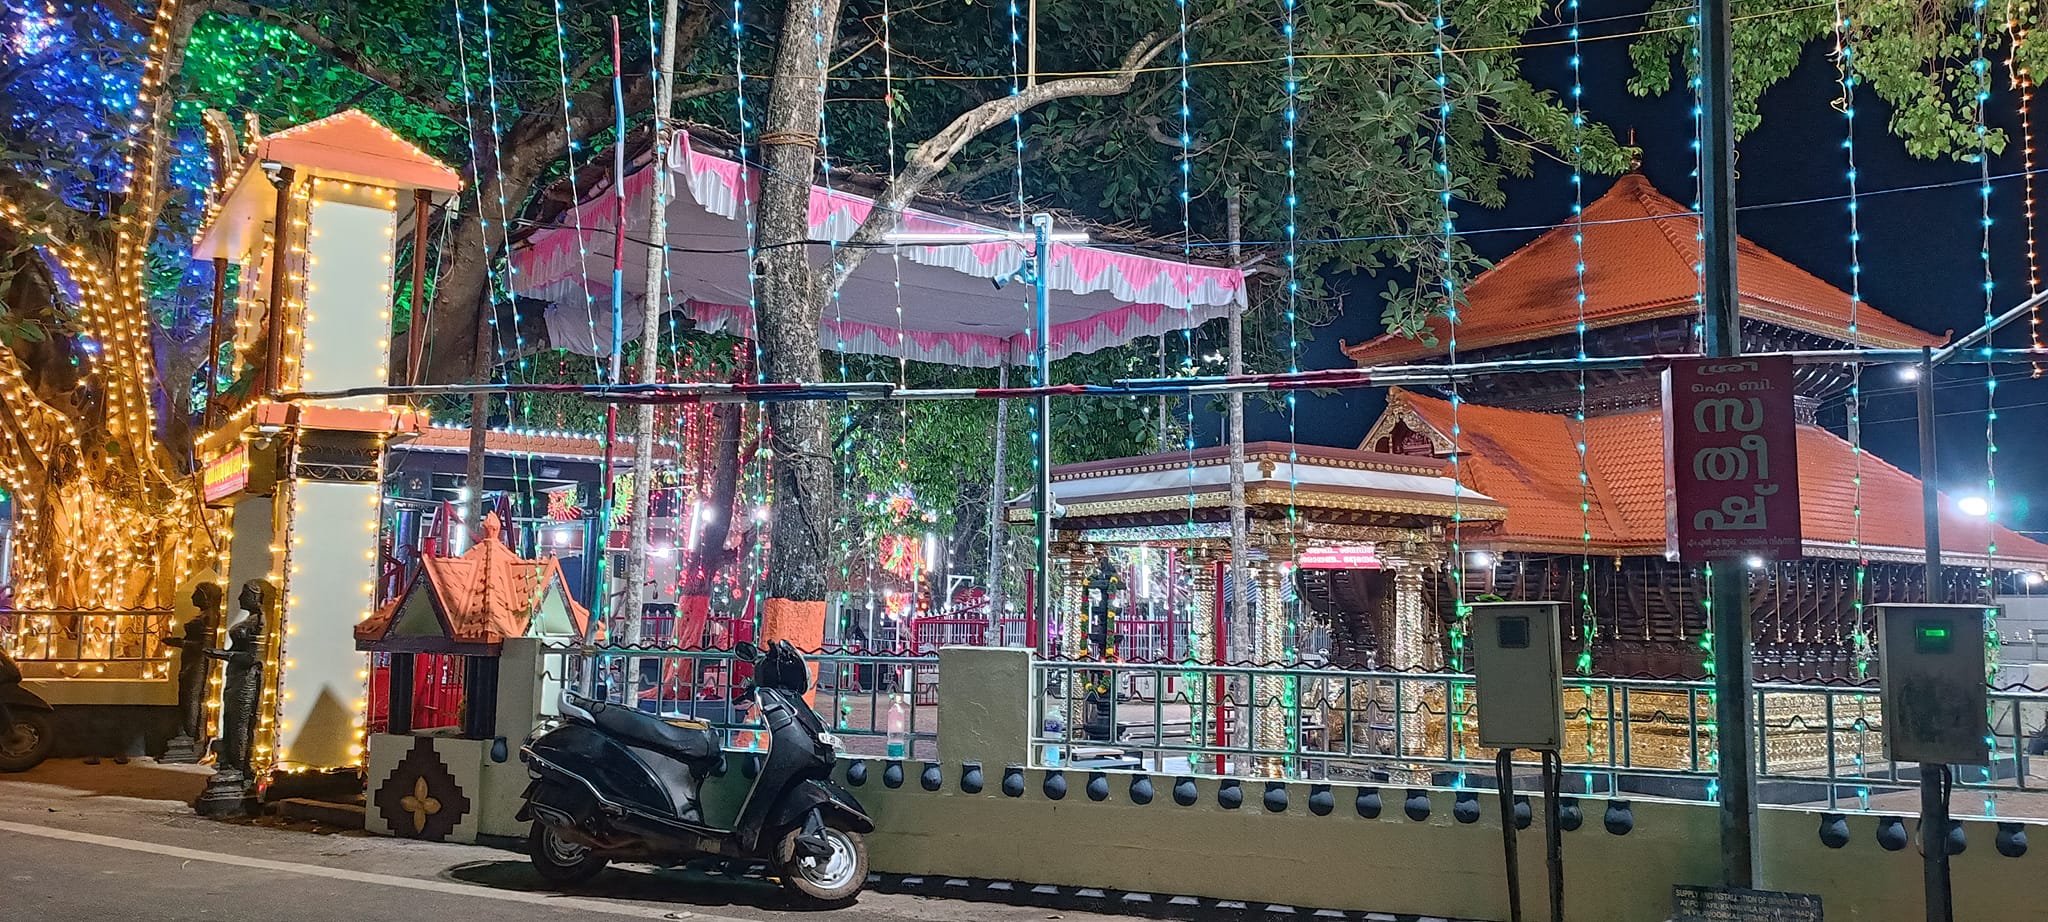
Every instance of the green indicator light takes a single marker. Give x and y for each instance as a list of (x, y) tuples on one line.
[(1931, 637)]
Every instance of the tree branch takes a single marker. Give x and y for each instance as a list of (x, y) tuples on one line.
[(348, 57), (929, 158)]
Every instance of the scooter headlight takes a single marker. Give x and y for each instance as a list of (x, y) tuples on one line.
[(832, 740)]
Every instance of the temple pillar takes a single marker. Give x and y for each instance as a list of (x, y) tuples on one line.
[(1203, 689), (1273, 696), (1076, 561), (1411, 647)]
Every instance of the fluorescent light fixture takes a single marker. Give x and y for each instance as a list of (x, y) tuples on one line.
[(969, 238)]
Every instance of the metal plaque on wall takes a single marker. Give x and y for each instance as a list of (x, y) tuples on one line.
[(1726, 904), (1731, 459)]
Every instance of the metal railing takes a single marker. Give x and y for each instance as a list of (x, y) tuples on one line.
[(91, 644), (1820, 746), (854, 694)]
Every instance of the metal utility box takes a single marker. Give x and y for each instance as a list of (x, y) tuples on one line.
[(1931, 667), (1518, 665)]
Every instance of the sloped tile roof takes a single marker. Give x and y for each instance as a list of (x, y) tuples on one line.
[(1640, 249), (485, 595), (1529, 461)]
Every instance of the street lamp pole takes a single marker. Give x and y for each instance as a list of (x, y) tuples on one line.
[(1722, 332), (1041, 498), (1933, 805)]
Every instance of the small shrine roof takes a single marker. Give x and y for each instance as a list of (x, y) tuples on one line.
[(476, 600), (1307, 477), (1640, 249), (1529, 461), (349, 146)]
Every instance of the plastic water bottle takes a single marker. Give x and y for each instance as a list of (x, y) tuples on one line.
[(899, 738)]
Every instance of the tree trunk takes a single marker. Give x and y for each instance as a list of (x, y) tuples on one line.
[(791, 297)]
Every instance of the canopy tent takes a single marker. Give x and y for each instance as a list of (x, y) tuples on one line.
[(945, 309)]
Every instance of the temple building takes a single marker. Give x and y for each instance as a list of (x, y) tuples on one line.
[(1599, 541)]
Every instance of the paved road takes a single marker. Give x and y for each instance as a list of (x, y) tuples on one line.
[(111, 842)]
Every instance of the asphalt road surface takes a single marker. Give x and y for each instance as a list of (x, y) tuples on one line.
[(118, 841)]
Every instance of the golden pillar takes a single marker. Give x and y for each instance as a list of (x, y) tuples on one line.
[(1073, 614), (1411, 648), (1273, 696), (1201, 648)]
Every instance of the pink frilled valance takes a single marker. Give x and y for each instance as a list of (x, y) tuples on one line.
[(928, 303)]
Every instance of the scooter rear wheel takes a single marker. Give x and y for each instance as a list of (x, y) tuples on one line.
[(560, 861), (26, 743), (836, 878)]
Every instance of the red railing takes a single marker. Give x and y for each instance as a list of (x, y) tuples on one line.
[(436, 691)]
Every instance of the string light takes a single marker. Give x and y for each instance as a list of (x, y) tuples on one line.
[(1589, 622), (2022, 80), (1981, 68), (1460, 608), (1292, 126)]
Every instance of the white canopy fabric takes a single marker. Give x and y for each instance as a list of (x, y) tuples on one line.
[(927, 303)]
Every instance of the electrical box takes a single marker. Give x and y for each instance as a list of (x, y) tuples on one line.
[(1931, 667), (1520, 672)]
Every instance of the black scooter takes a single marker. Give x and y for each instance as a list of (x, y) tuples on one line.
[(26, 733), (611, 783)]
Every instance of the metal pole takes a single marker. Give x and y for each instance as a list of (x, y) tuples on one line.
[(1729, 586), (1933, 806), (1240, 544), (416, 340), (999, 486), (220, 303), (652, 301), (600, 596), (1041, 498)]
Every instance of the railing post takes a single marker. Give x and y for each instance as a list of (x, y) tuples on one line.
[(987, 693)]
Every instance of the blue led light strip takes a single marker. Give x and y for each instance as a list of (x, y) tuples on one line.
[(1981, 68), (1292, 123), (1451, 295), (1589, 622), (1859, 638)]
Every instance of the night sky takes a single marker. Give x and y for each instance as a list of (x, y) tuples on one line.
[(1919, 252)]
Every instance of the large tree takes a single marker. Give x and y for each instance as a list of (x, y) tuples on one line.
[(1384, 111)]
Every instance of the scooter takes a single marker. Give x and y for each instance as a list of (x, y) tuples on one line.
[(26, 733), (611, 783)]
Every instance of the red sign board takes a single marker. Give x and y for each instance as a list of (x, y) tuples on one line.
[(1731, 459), (1338, 557), (226, 475)]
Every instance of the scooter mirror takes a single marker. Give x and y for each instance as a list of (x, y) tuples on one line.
[(746, 650)]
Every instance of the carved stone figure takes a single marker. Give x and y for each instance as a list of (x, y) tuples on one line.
[(242, 687), (193, 667)]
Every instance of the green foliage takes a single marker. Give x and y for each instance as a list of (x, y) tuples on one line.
[(1920, 58), (1364, 167)]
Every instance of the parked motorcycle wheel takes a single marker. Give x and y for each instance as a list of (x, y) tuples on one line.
[(26, 744), (836, 878), (560, 861)]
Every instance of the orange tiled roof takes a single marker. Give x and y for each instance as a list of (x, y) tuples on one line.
[(484, 596), (1640, 249), (1529, 461)]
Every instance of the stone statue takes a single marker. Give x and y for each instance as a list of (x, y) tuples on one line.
[(192, 671), (242, 687)]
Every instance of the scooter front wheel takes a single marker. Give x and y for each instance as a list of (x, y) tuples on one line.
[(560, 861), (836, 877), (25, 741)]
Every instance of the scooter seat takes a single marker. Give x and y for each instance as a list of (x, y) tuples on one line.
[(690, 743)]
